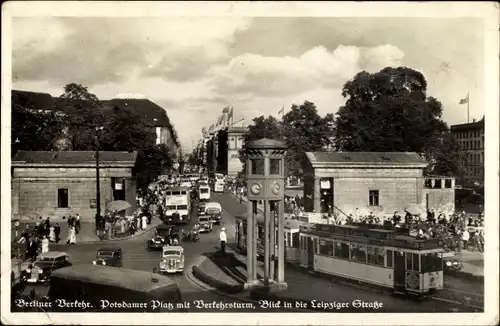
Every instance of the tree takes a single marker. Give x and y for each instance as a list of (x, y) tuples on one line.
[(83, 114), (152, 162), (34, 129), (305, 131), (390, 111)]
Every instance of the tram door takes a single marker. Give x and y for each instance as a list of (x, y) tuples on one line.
[(399, 269), (303, 250), (310, 253)]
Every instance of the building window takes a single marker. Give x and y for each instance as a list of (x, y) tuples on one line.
[(275, 166), (118, 188), (62, 198), (373, 197), (257, 166)]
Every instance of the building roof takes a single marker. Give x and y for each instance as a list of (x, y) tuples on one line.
[(73, 158), (32, 100), (144, 107), (468, 126), (266, 143), (236, 129), (325, 159)]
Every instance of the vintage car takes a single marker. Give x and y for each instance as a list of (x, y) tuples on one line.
[(201, 208), (214, 210), (160, 237), (109, 256), (172, 260), (205, 225), (41, 269)]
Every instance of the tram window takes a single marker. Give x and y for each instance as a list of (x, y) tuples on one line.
[(409, 261), (416, 263), (370, 251), (326, 247), (431, 262), (341, 250), (295, 240), (376, 256), (358, 253), (389, 258)]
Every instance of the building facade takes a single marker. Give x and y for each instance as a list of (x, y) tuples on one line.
[(57, 184), (235, 142), (343, 183), (470, 138)]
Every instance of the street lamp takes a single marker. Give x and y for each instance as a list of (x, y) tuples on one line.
[(98, 186)]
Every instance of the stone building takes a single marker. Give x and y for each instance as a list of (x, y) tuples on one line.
[(470, 138), (56, 184), (380, 183)]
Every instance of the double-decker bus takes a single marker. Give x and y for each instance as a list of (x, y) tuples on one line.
[(178, 200), (291, 229), (383, 256)]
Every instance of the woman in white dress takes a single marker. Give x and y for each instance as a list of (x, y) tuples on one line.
[(45, 244), (52, 234), (72, 235), (144, 222)]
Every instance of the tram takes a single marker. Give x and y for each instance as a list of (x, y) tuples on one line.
[(374, 254), (291, 227)]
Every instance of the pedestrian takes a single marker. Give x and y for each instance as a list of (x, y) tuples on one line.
[(45, 244), (223, 239), (31, 249), (144, 222), (77, 223), (465, 238), (52, 234), (71, 236)]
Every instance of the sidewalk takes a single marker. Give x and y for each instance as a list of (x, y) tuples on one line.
[(87, 232)]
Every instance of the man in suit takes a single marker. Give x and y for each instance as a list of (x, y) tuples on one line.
[(31, 249)]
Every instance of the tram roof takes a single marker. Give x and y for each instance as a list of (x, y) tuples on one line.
[(371, 235)]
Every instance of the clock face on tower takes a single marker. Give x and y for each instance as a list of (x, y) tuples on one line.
[(255, 189), (275, 188)]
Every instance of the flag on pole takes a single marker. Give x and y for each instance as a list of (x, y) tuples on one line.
[(464, 100), (282, 110), (229, 115), (211, 129)]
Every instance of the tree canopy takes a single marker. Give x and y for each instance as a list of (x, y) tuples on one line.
[(302, 129), (390, 111)]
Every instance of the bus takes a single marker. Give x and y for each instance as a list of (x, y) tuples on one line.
[(178, 200), (204, 192), (379, 255), (291, 229), (219, 185)]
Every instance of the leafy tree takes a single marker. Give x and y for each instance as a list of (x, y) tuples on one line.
[(390, 111), (305, 131), (34, 129), (152, 162), (83, 115)]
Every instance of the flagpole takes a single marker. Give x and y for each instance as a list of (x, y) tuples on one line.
[(232, 115), (468, 101)]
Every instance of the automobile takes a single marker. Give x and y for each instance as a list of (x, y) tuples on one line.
[(41, 269), (205, 225), (160, 237), (172, 260), (214, 211), (109, 256), (201, 208)]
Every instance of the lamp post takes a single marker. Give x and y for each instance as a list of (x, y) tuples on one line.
[(98, 186)]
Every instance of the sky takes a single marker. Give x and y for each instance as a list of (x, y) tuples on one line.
[(195, 66)]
